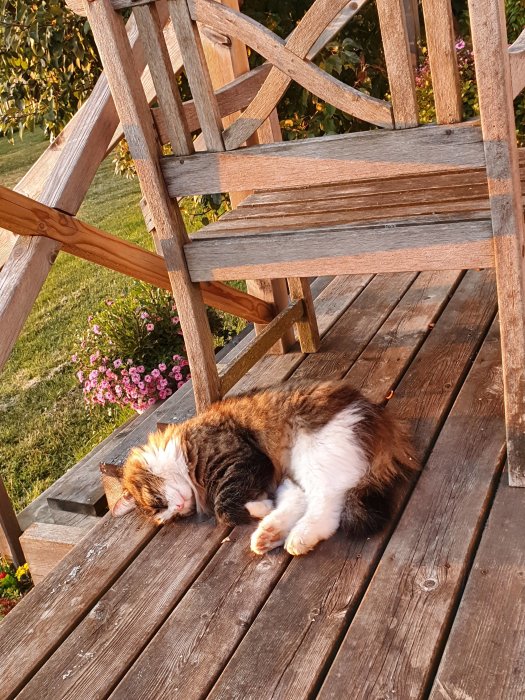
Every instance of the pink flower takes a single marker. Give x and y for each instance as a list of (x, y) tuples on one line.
[(162, 367), (117, 363), (460, 44), (177, 376), (180, 384), (155, 373), (94, 357), (74, 358), (80, 376), (96, 329), (93, 374), (150, 327), (148, 378), (144, 314), (141, 369)]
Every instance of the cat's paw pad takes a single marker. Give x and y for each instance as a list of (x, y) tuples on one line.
[(298, 543), (265, 538), (259, 509)]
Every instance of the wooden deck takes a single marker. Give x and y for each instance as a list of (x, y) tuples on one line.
[(432, 608)]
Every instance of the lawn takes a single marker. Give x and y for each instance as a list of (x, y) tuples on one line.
[(45, 427)]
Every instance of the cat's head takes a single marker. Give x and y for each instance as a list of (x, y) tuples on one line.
[(155, 480)]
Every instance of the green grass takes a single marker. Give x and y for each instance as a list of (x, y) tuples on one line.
[(45, 427)]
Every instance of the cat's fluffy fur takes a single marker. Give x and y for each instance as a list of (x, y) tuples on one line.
[(304, 457)]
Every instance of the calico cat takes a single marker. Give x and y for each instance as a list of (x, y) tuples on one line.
[(303, 457)]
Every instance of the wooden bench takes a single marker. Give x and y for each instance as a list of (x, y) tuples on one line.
[(305, 217)]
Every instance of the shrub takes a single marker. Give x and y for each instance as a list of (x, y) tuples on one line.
[(132, 354), (48, 65)]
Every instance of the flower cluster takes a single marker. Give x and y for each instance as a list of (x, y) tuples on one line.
[(13, 584), (126, 384), (132, 352)]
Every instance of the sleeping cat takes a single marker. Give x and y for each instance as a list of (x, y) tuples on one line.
[(302, 457)]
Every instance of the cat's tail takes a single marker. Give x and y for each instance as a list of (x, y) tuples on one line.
[(392, 457), (366, 510)]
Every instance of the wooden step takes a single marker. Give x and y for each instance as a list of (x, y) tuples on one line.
[(45, 545)]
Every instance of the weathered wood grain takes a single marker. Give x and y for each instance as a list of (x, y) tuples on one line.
[(225, 20), (198, 77), (441, 40), (129, 97), (396, 635), (10, 530), (228, 593), (398, 340), (164, 80), (489, 36), (39, 623), (226, 59), (109, 638), (260, 345), (293, 636), (328, 159), (485, 650), (27, 217), (343, 250), (517, 64), (330, 305), (348, 210), (307, 330), (343, 344), (396, 47), (45, 545), (231, 98)]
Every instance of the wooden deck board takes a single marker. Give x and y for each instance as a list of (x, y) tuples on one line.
[(396, 635), (294, 635), (485, 651), (137, 612)]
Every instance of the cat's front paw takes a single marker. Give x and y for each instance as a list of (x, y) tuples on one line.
[(297, 543), (267, 536), (259, 509)]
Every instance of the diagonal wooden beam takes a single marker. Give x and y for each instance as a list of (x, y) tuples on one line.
[(300, 42), (27, 217), (235, 24)]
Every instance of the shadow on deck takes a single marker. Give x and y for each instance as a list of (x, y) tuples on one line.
[(434, 607)]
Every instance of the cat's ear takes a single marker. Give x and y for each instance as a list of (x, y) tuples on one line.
[(124, 505)]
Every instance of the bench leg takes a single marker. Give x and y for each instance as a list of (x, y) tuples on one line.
[(306, 328), (489, 36)]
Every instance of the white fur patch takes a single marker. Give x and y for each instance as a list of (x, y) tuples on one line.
[(331, 458), (170, 464), (325, 464)]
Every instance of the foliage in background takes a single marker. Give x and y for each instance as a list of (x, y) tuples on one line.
[(48, 65), (13, 584), (354, 57), (132, 352)]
